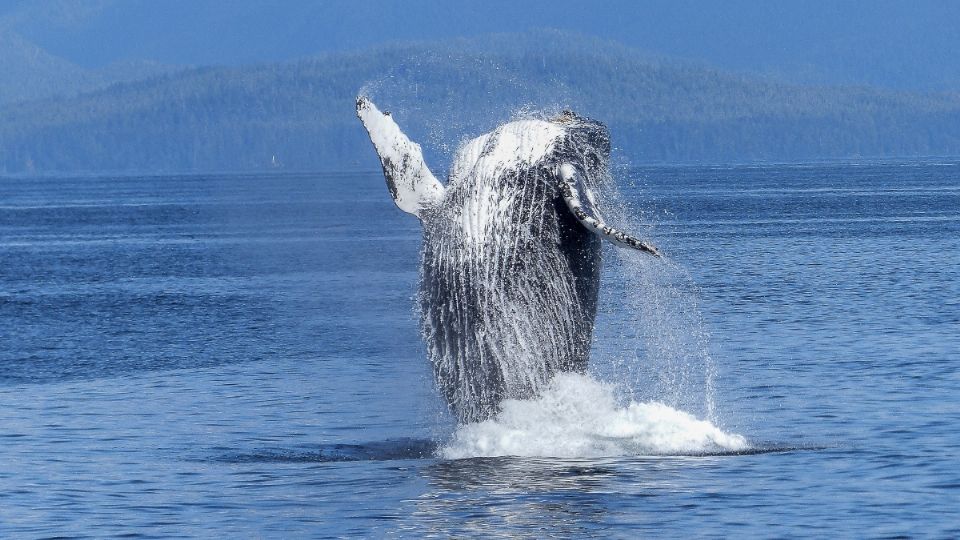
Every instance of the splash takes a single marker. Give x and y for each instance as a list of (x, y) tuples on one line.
[(578, 416), (651, 334)]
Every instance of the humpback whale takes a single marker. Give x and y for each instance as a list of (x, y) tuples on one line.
[(511, 256)]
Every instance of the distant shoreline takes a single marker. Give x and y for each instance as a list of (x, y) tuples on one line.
[(929, 161)]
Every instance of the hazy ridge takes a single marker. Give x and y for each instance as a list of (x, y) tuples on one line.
[(299, 115)]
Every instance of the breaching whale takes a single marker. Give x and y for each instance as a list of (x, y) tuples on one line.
[(510, 264)]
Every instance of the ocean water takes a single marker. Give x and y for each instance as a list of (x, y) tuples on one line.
[(238, 356)]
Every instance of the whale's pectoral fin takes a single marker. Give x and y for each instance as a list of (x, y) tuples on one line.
[(413, 186), (581, 205)]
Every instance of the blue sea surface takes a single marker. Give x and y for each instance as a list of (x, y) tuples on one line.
[(239, 356)]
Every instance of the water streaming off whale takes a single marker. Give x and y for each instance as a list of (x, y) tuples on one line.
[(510, 269)]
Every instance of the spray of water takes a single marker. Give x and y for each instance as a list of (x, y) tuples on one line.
[(434, 115), (651, 336), (655, 341)]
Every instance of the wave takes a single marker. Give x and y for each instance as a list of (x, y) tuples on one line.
[(580, 417)]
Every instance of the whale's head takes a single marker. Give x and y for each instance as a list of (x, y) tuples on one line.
[(582, 150), (584, 135), (581, 159)]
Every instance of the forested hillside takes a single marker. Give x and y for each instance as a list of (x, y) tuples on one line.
[(300, 115)]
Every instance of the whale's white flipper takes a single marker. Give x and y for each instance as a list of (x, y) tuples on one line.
[(580, 202), (413, 186)]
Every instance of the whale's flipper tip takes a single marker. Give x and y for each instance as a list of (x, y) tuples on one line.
[(623, 239), (644, 246)]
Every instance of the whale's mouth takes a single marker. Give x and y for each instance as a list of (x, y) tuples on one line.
[(577, 416)]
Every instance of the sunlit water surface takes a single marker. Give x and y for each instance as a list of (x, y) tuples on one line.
[(235, 356)]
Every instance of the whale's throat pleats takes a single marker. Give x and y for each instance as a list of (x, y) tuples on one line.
[(509, 282)]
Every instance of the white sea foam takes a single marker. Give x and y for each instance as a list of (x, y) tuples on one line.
[(578, 416)]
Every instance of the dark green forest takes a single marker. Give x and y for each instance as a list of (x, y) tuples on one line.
[(299, 115)]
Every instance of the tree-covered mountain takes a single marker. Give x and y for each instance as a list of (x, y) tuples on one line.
[(300, 114), (28, 72), (886, 43)]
